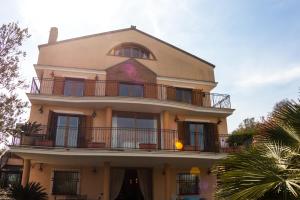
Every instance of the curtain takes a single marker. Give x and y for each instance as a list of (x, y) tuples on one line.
[(116, 181), (145, 182)]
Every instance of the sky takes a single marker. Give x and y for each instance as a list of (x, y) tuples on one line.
[(254, 44)]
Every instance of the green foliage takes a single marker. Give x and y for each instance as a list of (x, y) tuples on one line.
[(269, 169), (243, 135), (30, 128), (11, 106), (32, 191)]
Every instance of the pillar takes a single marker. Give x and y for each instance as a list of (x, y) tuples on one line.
[(167, 170), (166, 119), (168, 137), (26, 172), (106, 181)]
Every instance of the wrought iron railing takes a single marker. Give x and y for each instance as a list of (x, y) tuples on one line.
[(123, 138), (101, 88)]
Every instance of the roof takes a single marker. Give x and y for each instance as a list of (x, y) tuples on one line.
[(128, 29)]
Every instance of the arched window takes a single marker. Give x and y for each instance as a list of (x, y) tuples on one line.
[(132, 50)]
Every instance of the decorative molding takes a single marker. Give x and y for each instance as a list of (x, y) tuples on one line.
[(70, 69), (180, 80)]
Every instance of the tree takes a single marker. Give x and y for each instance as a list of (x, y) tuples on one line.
[(269, 169), (32, 191), (11, 106), (243, 135)]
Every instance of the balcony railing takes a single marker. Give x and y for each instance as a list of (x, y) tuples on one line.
[(122, 138), (101, 88)]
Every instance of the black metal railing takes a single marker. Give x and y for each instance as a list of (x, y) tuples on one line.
[(122, 138), (101, 88)]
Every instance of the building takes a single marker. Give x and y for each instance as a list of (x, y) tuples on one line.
[(125, 115)]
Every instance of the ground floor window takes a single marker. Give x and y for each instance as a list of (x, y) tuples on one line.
[(10, 177), (187, 184), (65, 182)]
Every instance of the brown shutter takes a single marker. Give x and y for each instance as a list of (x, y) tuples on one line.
[(171, 93), (86, 123), (112, 88), (211, 138), (197, 97), (150, 90), (89, 87), (52, 123), (181, 130), (58, 86)]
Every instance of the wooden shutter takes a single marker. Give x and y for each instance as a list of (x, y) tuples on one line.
[(181, 130), (51, 126), (112, 88), (150, 90), (211, 138), (89, 87), (84, 131), (171, 93), (58, 86), (197, 97)]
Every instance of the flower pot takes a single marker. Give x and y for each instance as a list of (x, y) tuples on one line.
[(96, 145), (27, 140), (45, 143), (147, 146)]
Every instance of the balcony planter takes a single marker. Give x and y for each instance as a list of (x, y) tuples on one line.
[(96, 145), (27, 140), (45, 143), (147, 146)]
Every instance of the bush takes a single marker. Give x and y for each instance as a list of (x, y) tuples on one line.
[(32, 191)]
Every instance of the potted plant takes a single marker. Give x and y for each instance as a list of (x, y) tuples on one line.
[(27, 132)]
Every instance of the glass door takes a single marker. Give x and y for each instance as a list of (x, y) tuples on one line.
[(196, 136), (67, 131)]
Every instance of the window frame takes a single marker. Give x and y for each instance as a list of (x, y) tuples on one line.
[(178, 182), (135, 51), (183, 91), (66, 171), (72, 80)]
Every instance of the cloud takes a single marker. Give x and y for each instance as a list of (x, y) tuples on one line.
[(258, 79)]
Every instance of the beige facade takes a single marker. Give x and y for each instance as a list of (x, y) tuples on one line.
[(123, 102)]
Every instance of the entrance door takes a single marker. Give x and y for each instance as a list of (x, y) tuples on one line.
[(67, 131), (130, 189), (196, 136)]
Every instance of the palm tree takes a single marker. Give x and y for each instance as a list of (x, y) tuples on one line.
[(270, 169), (32, 191)]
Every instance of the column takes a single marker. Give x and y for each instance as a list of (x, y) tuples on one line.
[(26, 172), (106, 181), (167, 170)]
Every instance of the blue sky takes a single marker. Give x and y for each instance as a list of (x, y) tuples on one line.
[(254, 44)]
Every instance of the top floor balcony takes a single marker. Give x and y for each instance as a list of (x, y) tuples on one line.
[(71, 87)]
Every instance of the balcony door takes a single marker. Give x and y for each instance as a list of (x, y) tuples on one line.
[(134, 130), (195, 137), (67, 130)]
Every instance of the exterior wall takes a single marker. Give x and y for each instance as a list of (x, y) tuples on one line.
[(91, 53), (91, 182)]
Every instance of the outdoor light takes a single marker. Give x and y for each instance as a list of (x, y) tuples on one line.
[(195, 171), (94, 114), (41, 109), (178, 145)]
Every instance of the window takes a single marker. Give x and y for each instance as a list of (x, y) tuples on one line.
[(184, 95), (74, 87), (65, 183), (132, 50), (131, 90), (187, 184)]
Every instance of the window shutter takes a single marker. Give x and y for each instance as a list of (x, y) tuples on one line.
[(211, 138), (58, 86), (150, 90), (89, 87), (181, 130), (112, 88), (52, 120), (171, 93), (86, 126), (197, 97)]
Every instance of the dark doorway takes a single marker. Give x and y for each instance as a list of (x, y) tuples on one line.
[(130, 189)]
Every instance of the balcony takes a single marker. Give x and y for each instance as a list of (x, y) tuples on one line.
[(109, 138), (100, 88)]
